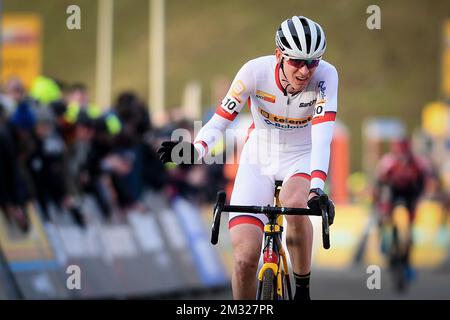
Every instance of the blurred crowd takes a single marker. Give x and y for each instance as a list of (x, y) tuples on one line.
[(56, 147)]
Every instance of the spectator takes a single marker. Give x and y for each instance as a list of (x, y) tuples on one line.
[(46, 167), (13, 191)]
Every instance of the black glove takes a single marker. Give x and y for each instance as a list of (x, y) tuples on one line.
[(178, 152), (314, 204)]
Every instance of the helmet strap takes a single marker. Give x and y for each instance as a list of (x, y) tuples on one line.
[(284, 74)]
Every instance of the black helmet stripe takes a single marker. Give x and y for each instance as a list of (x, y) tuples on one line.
[(307, 31), (319, 37), (282, 38), (294, 34)]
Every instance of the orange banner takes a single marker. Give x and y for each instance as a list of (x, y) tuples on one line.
[(21, 47)]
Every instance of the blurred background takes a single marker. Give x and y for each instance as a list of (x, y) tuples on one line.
[(89, 89)]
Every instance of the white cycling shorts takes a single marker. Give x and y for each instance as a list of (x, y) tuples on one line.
[(259, 168)]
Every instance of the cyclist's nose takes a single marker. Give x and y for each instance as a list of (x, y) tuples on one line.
[(304, 71)]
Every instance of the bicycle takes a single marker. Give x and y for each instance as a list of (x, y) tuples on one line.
[(395, 238), (397, 250), (273, 280)]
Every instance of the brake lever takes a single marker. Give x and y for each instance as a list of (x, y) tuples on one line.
[(220, 202), (323, 201)]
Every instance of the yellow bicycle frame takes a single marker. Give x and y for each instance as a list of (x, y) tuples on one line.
[(268, 230)]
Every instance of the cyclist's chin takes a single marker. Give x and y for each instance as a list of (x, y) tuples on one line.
[(299, 85)]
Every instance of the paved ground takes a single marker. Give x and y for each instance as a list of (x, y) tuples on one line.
[(350, 284)]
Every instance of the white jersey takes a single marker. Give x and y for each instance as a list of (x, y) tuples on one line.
[(304, 120)]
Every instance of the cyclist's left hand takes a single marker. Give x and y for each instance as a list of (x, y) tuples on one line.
[(313, 204)]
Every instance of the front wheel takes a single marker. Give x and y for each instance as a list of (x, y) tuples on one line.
[(268, 285), (396, 262)]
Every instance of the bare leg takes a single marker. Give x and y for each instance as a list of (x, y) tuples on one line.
[(246, 240), (299, 235)]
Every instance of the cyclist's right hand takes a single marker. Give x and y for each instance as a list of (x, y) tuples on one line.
[(178, 152)]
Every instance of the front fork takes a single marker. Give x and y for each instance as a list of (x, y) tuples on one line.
[(271, 260)]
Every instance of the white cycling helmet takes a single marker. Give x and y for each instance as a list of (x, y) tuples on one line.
[(300, 38)]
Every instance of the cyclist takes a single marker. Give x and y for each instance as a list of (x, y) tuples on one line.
[(294, 94), (400, 176)]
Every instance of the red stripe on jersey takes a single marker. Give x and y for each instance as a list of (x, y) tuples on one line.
[(319, 174), (277, 77), (245, 220), (328, 116), (203, 143), (226, 115), (252, 126), (250, 129), (303, 175)]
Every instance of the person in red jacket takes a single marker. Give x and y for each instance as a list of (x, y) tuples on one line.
[(400, 178)]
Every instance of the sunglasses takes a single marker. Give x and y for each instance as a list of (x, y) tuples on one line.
[(299, 63)]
